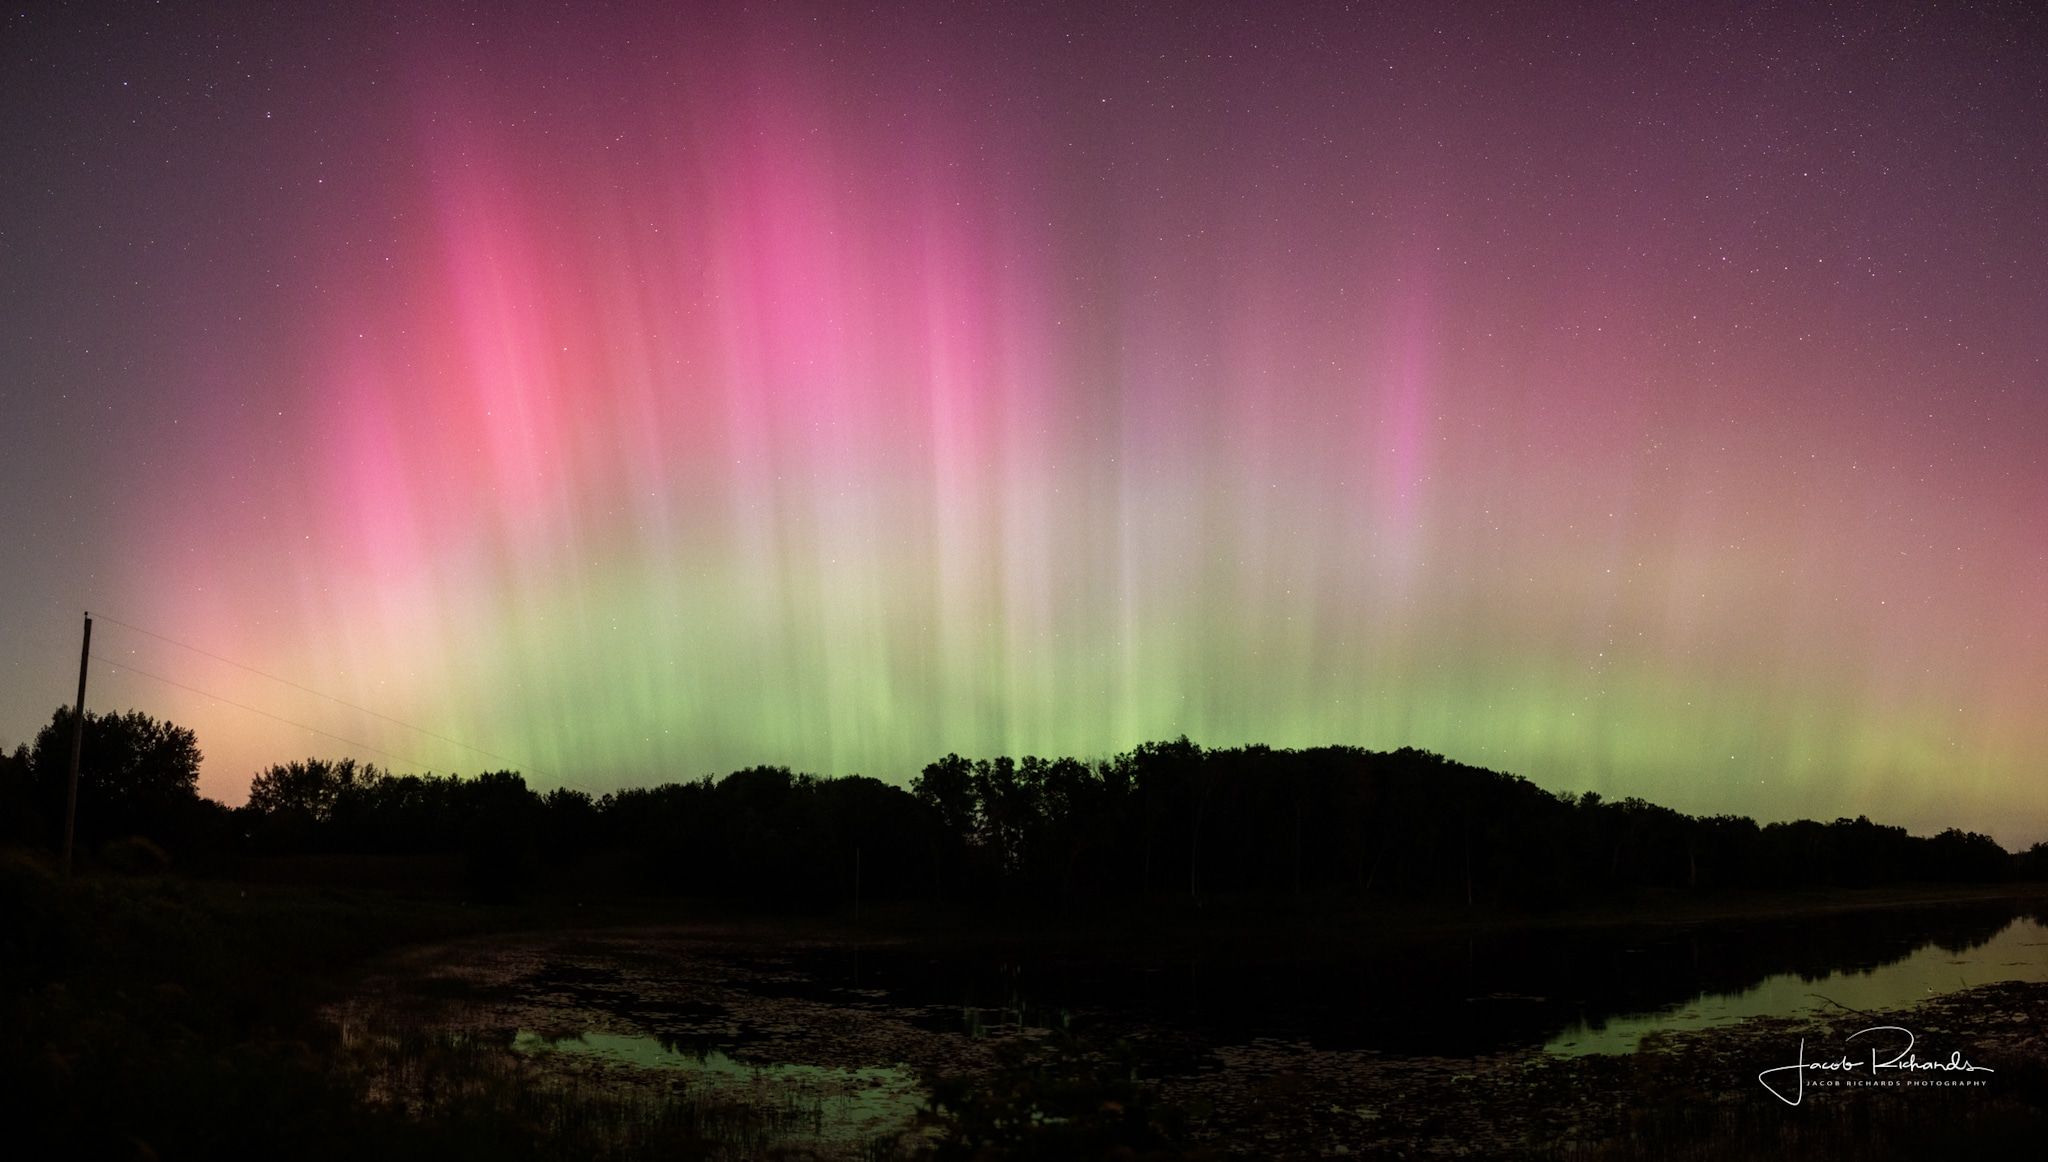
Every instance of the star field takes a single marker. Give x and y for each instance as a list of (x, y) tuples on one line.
[(1640, 401)]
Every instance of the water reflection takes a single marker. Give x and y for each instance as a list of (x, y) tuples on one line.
[(857, 1025), (1463, 996), (2019, 952)]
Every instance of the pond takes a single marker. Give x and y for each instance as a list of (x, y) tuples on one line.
[(829, 1046), (2019, 952)]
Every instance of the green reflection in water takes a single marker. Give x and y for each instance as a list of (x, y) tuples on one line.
[(2018, 953)]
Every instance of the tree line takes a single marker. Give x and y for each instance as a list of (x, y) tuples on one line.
[(1166, 818)]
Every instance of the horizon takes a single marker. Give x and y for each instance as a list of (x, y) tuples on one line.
[(1638, 403), (1093, 762)]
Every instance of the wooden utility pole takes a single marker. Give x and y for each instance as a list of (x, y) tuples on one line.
[(77, 743)]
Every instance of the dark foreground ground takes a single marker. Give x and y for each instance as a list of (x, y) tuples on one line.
[(171, 1018)]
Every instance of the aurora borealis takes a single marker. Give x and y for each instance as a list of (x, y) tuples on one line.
[(1640, 401)]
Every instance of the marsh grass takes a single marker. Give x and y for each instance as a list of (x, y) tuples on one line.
[(473, 1086), (483, 1087)]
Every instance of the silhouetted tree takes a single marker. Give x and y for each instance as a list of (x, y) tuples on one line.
[(136, 776), (867, 827), (946, 788), (1252, 819), (573, 824), (501, 836), (21, 821), (1966, 855), (2032, 864), (309, 789)]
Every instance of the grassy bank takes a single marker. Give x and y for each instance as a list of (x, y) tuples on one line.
[(168, 1018), (158, 1017)]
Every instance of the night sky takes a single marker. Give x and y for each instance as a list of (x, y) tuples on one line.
[(1640, 398)]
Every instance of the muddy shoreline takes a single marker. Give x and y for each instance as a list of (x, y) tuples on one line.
[(722, 999)]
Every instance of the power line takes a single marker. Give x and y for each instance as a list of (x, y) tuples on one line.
[(265, 713), (315, 693)]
